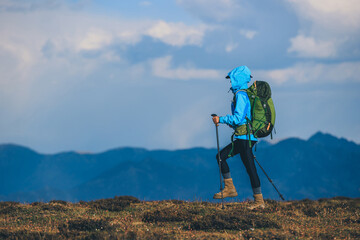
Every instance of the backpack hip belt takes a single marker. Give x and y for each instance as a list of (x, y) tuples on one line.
[(242, 130)]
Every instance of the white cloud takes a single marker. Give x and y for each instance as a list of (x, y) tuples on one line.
[(231, 47), (249, 34), (329, 13), (20, 52), (176, 34), (161, 67), (45, 59), (33, 45), (95, 39), (327, 28), (214, 10), (310, 47), (313, 72)]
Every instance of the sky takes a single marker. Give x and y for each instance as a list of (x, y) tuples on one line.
[(93, 75)]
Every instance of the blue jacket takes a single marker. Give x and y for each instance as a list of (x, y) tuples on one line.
[(239, 78)]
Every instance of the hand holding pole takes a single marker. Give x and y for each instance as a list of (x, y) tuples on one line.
[(215, 119)]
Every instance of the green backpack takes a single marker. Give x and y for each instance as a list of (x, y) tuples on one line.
[(262, 111)]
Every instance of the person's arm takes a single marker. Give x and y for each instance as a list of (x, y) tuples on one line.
[(239, 112)]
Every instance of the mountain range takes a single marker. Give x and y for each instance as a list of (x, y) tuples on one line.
[(322, 166)]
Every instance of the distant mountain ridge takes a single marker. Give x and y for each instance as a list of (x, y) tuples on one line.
[(322, 166)]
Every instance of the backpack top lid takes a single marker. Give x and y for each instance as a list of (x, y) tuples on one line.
[(239, 78), (261, 89)]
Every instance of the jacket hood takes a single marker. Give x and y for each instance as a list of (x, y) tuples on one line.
[(239, 77)]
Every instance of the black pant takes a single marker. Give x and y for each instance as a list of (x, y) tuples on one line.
[(247, 157)]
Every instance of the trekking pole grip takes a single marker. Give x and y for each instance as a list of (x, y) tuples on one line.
[(214, 115)]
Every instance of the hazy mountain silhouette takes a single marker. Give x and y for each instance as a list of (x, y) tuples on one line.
[(323, 166)]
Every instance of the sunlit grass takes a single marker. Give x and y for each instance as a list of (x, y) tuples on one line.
[(129, 218)]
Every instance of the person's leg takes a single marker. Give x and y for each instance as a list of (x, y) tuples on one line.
[(224, 155), (225, 170), (247, 158), (229, 189)]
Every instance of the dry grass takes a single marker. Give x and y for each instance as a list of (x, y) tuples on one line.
[(128, 218)]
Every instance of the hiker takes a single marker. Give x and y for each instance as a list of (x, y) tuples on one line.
[(241, 144)]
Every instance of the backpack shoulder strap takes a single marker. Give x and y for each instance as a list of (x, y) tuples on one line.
[(241, 90)]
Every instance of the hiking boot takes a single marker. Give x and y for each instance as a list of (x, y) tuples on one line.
[(228, 191), (259, 202)]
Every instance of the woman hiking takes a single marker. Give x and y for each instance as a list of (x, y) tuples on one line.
[(241, 113)]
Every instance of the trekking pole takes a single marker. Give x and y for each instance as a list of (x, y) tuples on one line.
[(281, 196), (218, 148)]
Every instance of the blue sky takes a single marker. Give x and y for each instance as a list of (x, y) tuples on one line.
[(94, 75)]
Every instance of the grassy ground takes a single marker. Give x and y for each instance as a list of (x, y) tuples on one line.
[(129, 218)]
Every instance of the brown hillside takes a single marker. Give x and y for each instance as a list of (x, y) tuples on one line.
[(129, 218)]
